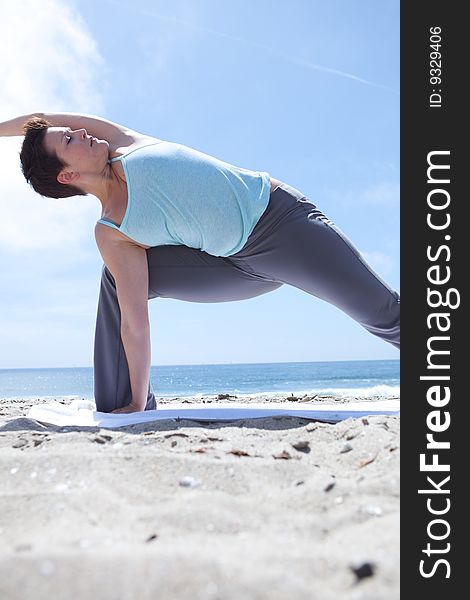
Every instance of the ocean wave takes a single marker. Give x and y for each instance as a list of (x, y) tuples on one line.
[(385, 391), (376, 391)]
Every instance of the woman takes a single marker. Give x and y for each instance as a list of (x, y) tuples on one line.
[(181, 224)]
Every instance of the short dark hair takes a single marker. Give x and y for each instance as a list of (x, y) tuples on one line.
[(40, 167)]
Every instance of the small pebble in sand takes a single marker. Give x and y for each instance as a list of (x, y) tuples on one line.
[(371, 509), (330, 486), (101, 438), (310, 427), (282, 455), (20, 443), (152, 537), (363, 570), (302, 446), (189, 482), (238, 452), (346, 448), (14, 470)]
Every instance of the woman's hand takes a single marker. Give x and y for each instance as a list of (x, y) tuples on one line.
[(130, 408)]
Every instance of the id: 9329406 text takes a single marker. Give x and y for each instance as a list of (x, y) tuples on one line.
[(435, 67)]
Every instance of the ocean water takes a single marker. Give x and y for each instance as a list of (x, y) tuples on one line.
[(364, 378)]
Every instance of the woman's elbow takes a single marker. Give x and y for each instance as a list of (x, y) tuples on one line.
[(135, 326)]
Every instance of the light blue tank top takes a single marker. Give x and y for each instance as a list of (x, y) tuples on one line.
[(180, 196)]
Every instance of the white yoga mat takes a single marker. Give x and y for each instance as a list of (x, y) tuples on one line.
[(83, 413)]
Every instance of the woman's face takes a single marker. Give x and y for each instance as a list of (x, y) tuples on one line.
[(78, 150)]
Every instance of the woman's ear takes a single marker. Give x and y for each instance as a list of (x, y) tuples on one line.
[(68, 177)]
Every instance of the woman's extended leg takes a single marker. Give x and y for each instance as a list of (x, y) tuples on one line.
[(295, 243), (174, 272)]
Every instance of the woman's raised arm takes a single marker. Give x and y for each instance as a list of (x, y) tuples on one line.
[(117, 135)]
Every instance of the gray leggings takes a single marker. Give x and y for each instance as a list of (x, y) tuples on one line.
[(293, 243)]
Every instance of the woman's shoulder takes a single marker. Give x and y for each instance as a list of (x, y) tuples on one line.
[(141, 141)]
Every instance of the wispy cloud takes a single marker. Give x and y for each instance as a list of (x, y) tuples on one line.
[(53, 64), (50, 63), (265, 47)]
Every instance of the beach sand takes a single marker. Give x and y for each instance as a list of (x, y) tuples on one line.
[(275, 508)]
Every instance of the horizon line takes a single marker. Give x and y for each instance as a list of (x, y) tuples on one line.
[(282, 362)]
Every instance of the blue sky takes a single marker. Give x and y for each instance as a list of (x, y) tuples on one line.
[(307, 90)]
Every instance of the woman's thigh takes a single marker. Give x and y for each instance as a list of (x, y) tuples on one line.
[(296, 243), (189, 274)]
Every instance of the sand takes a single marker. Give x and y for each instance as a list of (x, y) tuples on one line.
[(275, 508)]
